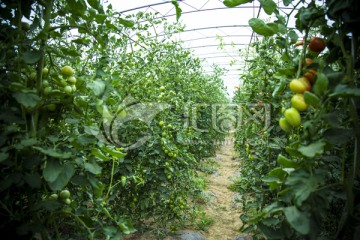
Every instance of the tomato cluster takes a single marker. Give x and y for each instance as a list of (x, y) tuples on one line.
[(64, 197), (66, 81), (300, 85)]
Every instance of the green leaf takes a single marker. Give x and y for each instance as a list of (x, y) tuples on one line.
[(343, 90), (58, 175), (63, 178), (338, 136), (287, 2), (99, 154), (313, 149), (302, 184), (114, 153), (52, 170), (286, 162), (234, 3), (33, 180), (311, 99), (260, 27), (279, 89), (53, 153), (28, 100), (281, 28), (321, 84), (109, 230), (97, 86), (3, 156), (125, 226), (178, 10), (126, 23), (31, 57), (272, 232), (94, 3), (97, 185), (93, 168), (26, 143), (332, 118), (70, 52), (277, 172), (269, 6), (72, 120), (100, 18), (292, 149), (293, 36), (85, 140), (300, 221)]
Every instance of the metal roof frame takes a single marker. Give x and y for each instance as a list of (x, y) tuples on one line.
[(203, 35)]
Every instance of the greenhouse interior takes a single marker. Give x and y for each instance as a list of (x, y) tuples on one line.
[(180, 120)]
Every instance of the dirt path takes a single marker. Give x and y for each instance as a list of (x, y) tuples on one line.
[(221, 208)]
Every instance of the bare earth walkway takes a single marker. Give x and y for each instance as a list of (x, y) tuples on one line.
[(227, 221)]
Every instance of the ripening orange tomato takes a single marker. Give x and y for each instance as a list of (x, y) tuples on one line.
[(306, 82), (300, 85), (311, 75), (308, 61)]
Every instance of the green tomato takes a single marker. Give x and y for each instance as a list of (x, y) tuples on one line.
[(284, 125), (162, 88), (73, 87), (63, 82), (67, 71), (45, 83), (51, 107), (292, 116), (161, 123), (71, 80), (68, 89), (47, 90), (45, 71), (298, 102), (64, 194), (53, 196), (67, 201), (33, 75)]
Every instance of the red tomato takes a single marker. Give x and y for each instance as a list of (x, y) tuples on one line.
[(317, 44)]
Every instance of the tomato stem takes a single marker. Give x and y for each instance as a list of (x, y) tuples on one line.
[(111, 180)]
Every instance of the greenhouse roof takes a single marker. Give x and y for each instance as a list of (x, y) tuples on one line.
[(214, 32)]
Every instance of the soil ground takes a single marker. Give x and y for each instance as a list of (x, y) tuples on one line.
[(222, 208)]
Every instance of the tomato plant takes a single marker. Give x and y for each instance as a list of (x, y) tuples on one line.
[(60, 93), (305, 189)]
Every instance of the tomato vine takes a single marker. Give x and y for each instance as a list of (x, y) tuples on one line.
[(302, 181)]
